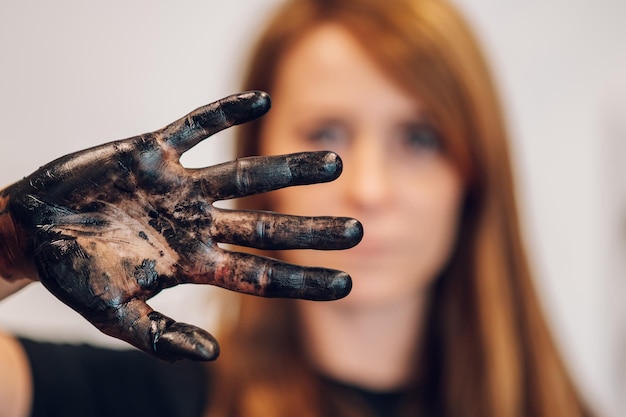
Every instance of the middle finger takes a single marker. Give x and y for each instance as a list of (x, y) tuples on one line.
[(265, 230)]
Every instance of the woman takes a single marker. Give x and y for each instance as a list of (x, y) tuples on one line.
[(442, 319)]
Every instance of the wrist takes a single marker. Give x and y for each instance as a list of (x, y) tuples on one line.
[(13, 265)]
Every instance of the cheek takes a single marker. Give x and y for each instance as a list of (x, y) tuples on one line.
[(435, 215)]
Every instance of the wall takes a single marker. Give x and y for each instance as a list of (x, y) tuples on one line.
[(561, 66), (76, 74)]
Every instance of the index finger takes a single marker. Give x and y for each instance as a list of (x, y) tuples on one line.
[(205, 121), (259, 174)]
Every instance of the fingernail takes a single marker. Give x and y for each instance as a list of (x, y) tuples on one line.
[(340, 286), (183, 341), (354, 232), (246, 106)]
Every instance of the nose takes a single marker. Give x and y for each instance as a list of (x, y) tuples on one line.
[(366, 174)]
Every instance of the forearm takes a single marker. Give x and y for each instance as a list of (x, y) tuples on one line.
[(15, 379), (15, 385)]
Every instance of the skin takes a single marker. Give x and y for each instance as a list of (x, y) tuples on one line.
[(107, 228), (397, 180)]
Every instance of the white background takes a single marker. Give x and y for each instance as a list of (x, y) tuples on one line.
[(78, 73)]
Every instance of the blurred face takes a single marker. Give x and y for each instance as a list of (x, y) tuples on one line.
[(330, 96)]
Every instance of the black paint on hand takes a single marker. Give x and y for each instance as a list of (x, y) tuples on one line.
[(109, 227)]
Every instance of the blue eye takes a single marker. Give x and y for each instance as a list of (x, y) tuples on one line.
[(323, 135), (332, 134), (422, 137)]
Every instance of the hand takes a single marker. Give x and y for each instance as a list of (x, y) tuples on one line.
[(107, 228)]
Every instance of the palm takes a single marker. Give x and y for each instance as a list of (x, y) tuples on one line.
[(109, 227)]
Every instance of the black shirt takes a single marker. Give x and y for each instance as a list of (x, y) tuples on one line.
[(87, 381)]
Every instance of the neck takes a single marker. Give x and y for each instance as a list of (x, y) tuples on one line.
[(372, 347)]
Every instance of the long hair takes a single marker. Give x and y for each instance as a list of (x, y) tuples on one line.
[(488, 351)]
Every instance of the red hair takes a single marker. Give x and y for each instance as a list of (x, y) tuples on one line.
[(488, 350)]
